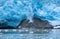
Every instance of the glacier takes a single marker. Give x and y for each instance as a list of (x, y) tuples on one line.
[(12, 12)]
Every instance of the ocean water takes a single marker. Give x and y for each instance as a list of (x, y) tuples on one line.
[(31, 34)]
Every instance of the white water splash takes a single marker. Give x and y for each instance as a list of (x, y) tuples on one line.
[(30, 14)]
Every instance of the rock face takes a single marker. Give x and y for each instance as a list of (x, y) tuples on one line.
[(37, 23)]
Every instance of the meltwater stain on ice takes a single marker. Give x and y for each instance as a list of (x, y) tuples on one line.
[(12, 12)]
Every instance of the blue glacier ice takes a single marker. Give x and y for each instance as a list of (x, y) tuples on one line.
[(12, 12)]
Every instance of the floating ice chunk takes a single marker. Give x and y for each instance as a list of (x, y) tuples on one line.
[(0, 30), (26, 30), (55, 22), (21, 35), (57, 27), (31, 32), (14, 30), (6, 30)]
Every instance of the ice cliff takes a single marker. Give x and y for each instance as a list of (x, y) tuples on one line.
[(12, 12)]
